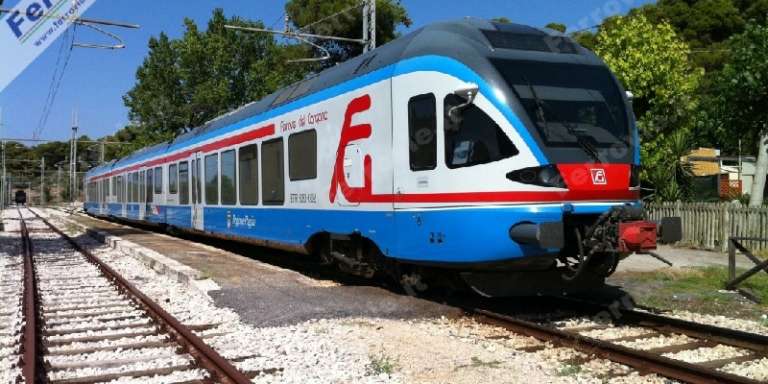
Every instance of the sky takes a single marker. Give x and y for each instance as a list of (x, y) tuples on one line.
[(96, 80)]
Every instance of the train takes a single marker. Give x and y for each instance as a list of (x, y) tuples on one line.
[(20, 197), (497, 157)]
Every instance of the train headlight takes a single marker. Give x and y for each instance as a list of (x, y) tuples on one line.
[(545, 176)]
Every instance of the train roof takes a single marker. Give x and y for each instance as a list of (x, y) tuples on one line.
[(471, 41)]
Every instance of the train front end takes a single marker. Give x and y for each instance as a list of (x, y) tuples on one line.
[(580, 124)]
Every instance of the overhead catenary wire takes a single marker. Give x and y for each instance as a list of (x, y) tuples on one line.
[(55, 90), (306, 27)]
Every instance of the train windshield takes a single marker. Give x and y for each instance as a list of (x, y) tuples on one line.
[(571, 105)]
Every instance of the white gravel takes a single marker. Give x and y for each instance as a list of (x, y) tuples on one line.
[(11, 294)]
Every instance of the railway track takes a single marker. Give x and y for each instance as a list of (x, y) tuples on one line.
[(83, 323), (647, 326)]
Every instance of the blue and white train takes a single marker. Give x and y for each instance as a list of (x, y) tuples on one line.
[(498, 155)]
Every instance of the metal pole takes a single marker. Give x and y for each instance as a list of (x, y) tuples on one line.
[(73, 161), (369, 24), (42, 182), (366, 38), (102, 156), (58, 181)]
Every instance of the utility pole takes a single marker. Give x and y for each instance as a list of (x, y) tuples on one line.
[(42, 181), (369, 25), (73, 160), (58, 181), (102, 155)]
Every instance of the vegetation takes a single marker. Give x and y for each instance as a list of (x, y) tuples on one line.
[(697, 290), (381, 364)]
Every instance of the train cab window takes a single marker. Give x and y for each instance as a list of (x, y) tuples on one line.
[(476, 139), (150, 186), (422, 132), (212, 179), (249, 174), (272, 173), (302, 155), (184, 183), (158, 180), (173, 179), (228, 178)]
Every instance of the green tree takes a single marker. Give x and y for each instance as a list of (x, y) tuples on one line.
[(739, 98), (389, 15), (185, 82), (706, 24), (501, 20), (557, 27), (653, 63)]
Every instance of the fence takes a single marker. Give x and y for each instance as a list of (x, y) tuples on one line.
[(710, 225)]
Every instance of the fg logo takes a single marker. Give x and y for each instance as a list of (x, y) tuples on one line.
[(598, 176)]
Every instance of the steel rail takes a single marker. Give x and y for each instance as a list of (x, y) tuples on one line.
[(733, 337), (208, 359), (644, 362), (30, 334)]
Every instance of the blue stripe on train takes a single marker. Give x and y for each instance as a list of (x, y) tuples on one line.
[(464, 235)]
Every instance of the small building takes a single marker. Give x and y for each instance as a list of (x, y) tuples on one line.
[(727, 177)]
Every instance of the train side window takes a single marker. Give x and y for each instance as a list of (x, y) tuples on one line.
[(129, 188), (422, 132), (228, 178), (249, 174), (112, 188), (116, 190), (158, 180), (184, 183), (135, 187), (477, 139), (212, 179), (142, 186), (173, 179), (302, 155), (272, 172), (150, 186)]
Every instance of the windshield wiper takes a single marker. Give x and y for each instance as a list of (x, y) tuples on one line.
[(540, 105)]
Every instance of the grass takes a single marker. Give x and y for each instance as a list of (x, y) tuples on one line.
[(698, 290), (380, 364), (569, 370)]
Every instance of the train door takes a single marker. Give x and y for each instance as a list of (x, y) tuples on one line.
[(415, 141), (142, 194), (197, 198)]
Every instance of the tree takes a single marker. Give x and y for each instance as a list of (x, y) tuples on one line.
[(653, 63), (557, 27), (185, 82), (389, 15), (740, 96), (502, 20), (706, 24)]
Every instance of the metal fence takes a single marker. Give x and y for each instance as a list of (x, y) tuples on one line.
[(710, 225)]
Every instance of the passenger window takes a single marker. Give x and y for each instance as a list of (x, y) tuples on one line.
[(159, 180), (272, 172), (212, 179), (135, 187), (142, 186), (476, 139), (184, 183), (150, 186), (173, 179), (249, 175), (302, 155), (228, 178), (422, 132)]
